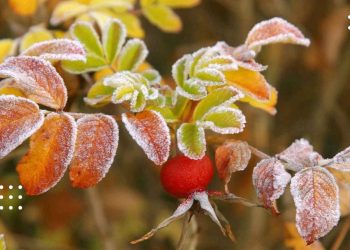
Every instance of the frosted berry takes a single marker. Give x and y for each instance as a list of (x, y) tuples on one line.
[(182, 176)]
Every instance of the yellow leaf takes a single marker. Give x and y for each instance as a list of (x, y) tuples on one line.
[(268, 106), (180, 3), (11, 91), (66, 10), (99, 75), (24, 8), (132, 24), (251, 83), (7, 48), (36, 34), (163, 17)]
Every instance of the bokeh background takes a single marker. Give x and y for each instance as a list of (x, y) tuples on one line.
[(314, 103)]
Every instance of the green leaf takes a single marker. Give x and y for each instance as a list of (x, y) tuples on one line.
[(138, 101), (163, 17), (223, 120), (166, 112), (122, 93), (191, 140), (218, 97), (152, 76), (132, 55), (113, 38), (180, 69), (180, 106), (92, 63), (210, 77), (86, 35), (99, 95), (192, 89)]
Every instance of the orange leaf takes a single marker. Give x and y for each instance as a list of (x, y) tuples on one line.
[(50, 152), (151, 133), (38, 79), (24, 8), (19, 119), (269, 105), (251, 83), (92, 160)]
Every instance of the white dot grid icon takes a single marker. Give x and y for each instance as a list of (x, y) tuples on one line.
[(10, 196), (349, 19)]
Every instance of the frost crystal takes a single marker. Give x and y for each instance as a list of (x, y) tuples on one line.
[(95, 148), (151, 133), (341, 161), (316, 198), (191, 141), (38, 79), (19, 119), (300, 154), (270, 180), (58, 49)]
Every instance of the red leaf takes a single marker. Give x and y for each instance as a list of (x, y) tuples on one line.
[(95, 148), (151, 133), (57, 49), (38, 79), (270, 180), (19, 119), (231, 157), (50, 152), (316, 198), (275, 30)]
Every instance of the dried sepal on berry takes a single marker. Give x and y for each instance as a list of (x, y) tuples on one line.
[(316, 197), (300, 154), (341, 161), (231, 157), (275, 30), (95, 148), (57, 49), (191, 140), (180, 212), (270, 180), (38, 79), (19, 119), (150, 131), (51, 150)]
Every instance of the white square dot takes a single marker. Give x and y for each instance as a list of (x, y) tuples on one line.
[(20, 187), (1, 187), (10, 207), (10, 197), (10, 187), (20, 197), (1, 197), (20, 207), (1, 207)]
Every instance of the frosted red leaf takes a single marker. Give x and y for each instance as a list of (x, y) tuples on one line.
[(341, 161), (270, 180), (38, 79), (57, 49), (275, 30), (316, 198), (19, 119), (150, 131), (50, 152), (231, 157), (300, 154), (95, 148)]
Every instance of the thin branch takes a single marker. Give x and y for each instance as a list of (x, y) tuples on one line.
[(100, 218)]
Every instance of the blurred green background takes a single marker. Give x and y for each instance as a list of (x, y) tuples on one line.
[(314, 103)]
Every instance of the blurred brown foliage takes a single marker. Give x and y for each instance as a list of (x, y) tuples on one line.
[(313, 86)]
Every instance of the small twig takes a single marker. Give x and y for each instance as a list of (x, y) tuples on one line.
[(100, 218), (184, 231), (341, 236), (259, 153)]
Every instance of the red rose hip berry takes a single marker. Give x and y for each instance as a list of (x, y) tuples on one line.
[(182, 176)]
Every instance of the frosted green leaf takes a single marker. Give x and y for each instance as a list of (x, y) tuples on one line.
[(223, 120), (180, 70), (192, 89), (210, 77), (99, 94), (218, 97), (191, 140), (138, 101), (93, 63), (113, 37), (166, 112), (86, 35), (132, 55), (122, 94), (196, 57), (180, 105), (152, 76)]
